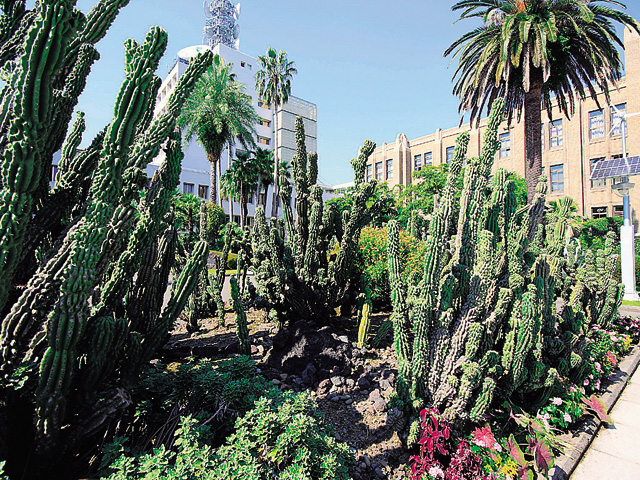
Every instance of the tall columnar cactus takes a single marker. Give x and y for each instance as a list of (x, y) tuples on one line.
[(242, 330), (482, 323), (292, 271), (49, 340), (46, 43)]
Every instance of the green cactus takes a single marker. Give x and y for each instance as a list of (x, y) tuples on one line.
[(93, 232), (241, 318), (293, 272)]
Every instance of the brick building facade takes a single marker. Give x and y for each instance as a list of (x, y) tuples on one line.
[(570, 146)]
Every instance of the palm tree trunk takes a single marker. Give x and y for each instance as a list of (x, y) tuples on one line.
[(213, 163), (532, 133), (220, 169), (230, 209), (274, 204)]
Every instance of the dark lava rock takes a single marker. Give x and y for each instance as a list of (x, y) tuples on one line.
[(308, 375), (363, 382), (303, 343)]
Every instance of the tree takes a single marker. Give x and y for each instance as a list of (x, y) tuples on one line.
[(273, 84), (218, 113), (265, 166), (532, 52), (239, 181)]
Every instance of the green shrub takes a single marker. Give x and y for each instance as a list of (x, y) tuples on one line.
[(216, 220), (372, 260), (282, 439), (232, 261), (191, 461), (224, 389)]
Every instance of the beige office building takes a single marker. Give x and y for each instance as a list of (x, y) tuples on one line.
[(570, 147)]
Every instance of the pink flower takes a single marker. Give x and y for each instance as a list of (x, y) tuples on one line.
[(591, 376), (556, 401), (611, 358), (586, 382), (436, 472), (598, 384), (598, 367), (567, 417)]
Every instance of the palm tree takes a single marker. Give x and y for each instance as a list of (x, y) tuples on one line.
[(273, 84), (239, 181), (218, 113), (264, 165), (532, 52)]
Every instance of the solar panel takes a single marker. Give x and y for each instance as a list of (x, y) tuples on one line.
[(616, 167)]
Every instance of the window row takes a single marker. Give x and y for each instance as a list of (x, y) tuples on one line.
[(601, 212), (380, 175), (597, 127)]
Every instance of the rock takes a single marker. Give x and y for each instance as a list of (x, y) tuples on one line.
[(384, 384), (367, 461), (337, 436), (343, 339), (275, 381), (283, 376), (308, 375), (349, 401), (363, 382), (324, 386), (380, 473), (337, 380), (379, 403)]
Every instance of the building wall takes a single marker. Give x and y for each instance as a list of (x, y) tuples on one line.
[(573, 156), (195, 166)]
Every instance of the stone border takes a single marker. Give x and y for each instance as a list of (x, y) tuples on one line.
[(567, 463)]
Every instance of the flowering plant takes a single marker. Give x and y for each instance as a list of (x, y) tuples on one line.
[(440, 457), (629, 326), (563, 411)]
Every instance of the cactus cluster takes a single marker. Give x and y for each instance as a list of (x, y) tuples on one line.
[(481, 323), (293, 271), (85, 313)]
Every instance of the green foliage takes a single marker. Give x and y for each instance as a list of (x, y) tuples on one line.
[(283, 439), (191, 460), (224, 389), (2, 477), (216, 219), (372, 260)]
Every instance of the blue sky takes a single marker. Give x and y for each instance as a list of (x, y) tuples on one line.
[(374, 68)]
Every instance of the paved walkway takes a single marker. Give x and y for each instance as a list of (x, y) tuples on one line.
[(615, 452)]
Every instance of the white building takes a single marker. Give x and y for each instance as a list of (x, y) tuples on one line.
[(195, 166)]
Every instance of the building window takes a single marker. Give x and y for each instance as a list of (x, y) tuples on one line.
[(236, 219), (428, 158), (262, 199), (600, 182), (187, 188), (617, 128), (618, 211), (450, 151), (369, 174), (264, 140), (379, 171), (555, 133), (250, 198), (265, 123), (598, 212), (262, 104), (505, 145), (389, 169), (557, 178), (203, 191), (596, 124), (417, 162), (54, 172), (542, 136)]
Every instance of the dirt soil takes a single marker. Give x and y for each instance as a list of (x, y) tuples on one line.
[(352, 386)]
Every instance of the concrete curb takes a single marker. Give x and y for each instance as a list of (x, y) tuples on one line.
[(567, 463)]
